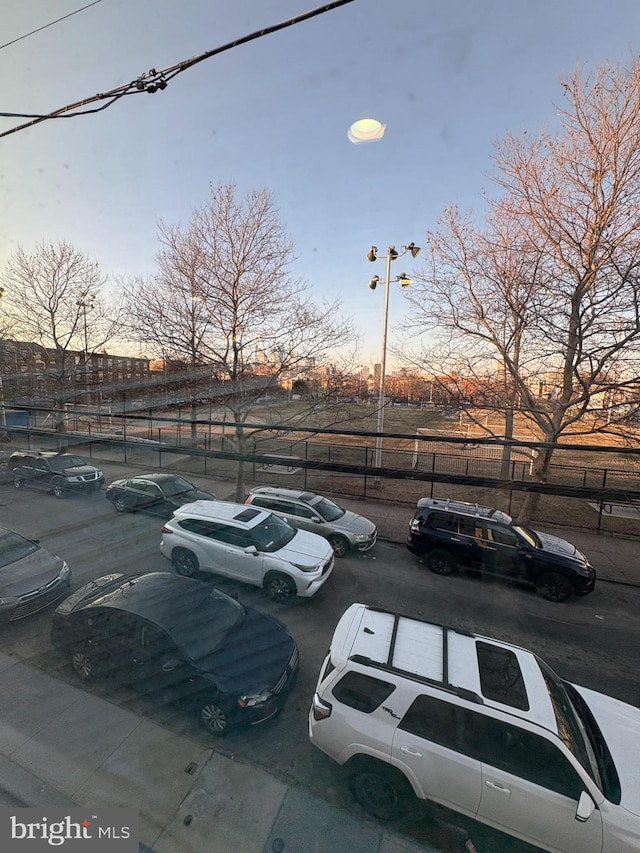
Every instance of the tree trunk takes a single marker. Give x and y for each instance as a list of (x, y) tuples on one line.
[(194, 426), (240, 493), (241, 444), (505, 467), (541, 467)]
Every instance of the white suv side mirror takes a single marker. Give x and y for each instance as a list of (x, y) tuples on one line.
[(251, 549), (585, 808)]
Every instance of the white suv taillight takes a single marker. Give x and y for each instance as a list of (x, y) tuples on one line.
[(320, 709)]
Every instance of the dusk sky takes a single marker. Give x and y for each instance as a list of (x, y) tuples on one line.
[(447, 78)]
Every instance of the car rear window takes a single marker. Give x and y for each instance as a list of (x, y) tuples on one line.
[(362, 692)]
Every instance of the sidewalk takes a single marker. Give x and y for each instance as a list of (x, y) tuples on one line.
[(61, 746)]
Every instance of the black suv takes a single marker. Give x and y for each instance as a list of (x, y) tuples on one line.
[(56, 473), (451, 534)]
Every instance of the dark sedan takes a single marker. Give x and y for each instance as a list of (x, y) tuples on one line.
[(159, 494), (179, 639)]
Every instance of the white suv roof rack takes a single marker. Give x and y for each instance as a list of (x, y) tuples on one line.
[(435, 654)]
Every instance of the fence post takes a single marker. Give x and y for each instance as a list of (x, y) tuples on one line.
[(124, 437), (306, 457), (601, 504), (366, 462), (254, 459)]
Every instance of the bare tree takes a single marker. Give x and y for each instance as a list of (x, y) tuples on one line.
[(571, 200), (224, 298), (53, 298)]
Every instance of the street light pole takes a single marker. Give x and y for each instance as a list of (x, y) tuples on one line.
[(392, 255), (383, 361)]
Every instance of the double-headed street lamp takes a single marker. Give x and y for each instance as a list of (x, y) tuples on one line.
[(392, 255)]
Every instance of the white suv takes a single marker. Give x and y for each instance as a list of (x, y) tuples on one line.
[(249, 545), (481, 726)]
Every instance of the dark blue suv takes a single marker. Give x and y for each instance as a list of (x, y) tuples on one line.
[(453, 534)]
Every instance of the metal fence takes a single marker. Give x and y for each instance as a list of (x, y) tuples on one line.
[(184, 445)]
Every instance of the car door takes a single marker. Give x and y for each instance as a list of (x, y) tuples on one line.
[(158, 668), (430, 741), (452, 533), (36, 473), (530, 788), (221, 548), (501, 551), (144, 495), (304, 518)]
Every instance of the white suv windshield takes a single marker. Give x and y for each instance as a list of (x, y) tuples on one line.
[(272, 534), (572, 729)]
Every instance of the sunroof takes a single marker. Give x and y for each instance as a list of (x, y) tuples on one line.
[(500, 676), (247, 514)]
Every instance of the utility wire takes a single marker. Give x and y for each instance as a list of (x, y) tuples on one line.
[(44, 27), (154, 81)]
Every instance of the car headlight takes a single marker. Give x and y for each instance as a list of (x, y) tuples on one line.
[(65, 572), (255, 699), (74, 479), (362, 537), (9, 601), (306, 568)]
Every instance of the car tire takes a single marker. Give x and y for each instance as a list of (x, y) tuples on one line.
[(381, 791), (279, 588), (18, 483), (339, 544), (120, 505), (554, 587), (84, 665), (440, 562), (58, 490), (185, 562), (214, 719)]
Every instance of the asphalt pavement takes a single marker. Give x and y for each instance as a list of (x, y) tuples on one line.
[(61, 746)]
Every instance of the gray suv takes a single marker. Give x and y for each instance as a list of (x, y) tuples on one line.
[(344, 530)]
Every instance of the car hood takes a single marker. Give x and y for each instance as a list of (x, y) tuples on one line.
[(306, 549), (559, 547), (254, 657), (77, 470), (352, 523), (620, 725), (29, 573)]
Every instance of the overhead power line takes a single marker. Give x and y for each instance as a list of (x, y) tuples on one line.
[(44, 27), (155, 81)]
